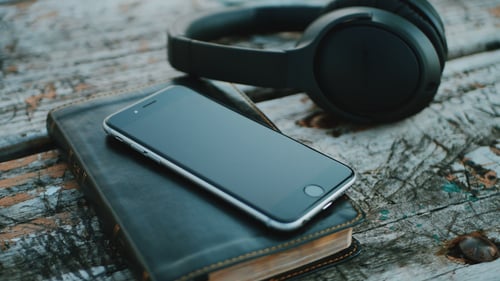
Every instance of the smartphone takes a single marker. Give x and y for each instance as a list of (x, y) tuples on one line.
[(272, 177)]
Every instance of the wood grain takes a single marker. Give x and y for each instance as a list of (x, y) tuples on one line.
[(52, 53), (422, 181), (47, 230)]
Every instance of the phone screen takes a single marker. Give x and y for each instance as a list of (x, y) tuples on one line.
[(255, 166)]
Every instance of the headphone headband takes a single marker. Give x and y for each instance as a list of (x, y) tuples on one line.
[(189, 51), (362, 62), (211, 25)]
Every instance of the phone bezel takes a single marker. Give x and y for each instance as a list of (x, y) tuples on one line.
[(325, 201)]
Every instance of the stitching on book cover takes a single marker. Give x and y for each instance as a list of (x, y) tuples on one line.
[(316, 266), (209, 268), (234, 259)]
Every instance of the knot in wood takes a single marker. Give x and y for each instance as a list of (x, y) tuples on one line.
[(471, 249)]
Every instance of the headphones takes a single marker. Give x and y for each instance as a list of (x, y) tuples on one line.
[(365, 60)]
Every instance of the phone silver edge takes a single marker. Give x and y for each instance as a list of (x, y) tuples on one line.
[(268, 221)]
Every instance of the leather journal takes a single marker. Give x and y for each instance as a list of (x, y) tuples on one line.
[(170, 229)]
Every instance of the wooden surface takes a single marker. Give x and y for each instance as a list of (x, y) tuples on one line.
[(422, 182)]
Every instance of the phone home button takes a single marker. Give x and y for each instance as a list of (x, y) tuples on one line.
[(314, 190)]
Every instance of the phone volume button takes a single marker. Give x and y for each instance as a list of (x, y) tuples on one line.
[(138, 148)]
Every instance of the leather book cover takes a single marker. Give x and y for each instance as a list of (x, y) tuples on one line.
[(169, 228)]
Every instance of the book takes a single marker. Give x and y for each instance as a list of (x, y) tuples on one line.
[(169, 228)]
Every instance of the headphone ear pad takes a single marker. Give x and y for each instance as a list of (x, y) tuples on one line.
[(371, 65), (360, 69), (417, 16)]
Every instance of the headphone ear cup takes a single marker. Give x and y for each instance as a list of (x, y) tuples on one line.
[(371, 65), (360, 70), (422, 16)]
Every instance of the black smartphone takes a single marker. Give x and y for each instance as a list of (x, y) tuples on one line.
[(265, 173)]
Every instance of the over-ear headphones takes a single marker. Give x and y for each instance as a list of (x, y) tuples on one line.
[(367, 60)]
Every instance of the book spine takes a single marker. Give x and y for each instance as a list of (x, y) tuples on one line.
[(107, 220)]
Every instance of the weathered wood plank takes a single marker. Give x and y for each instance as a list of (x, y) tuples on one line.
[(471, 26), (51, 53), (46, 228), (405, 229), (409, 248), (422, 181), (62, 56), (398, 242), (393, 158)]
